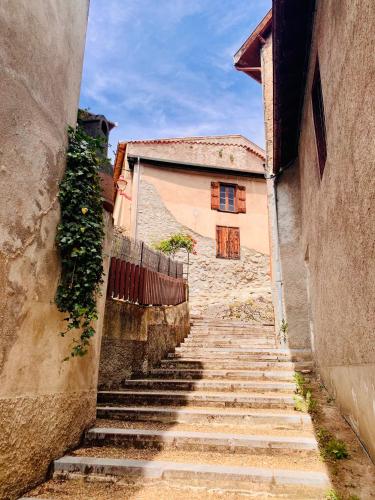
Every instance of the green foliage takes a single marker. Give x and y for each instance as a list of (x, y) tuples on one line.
[(303, 400), (80, 238), (333, 495), (175, 243), (330, 447), (284, 329)]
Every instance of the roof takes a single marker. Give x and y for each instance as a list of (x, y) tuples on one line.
[(230, 140), (291, 34), (247, 58)]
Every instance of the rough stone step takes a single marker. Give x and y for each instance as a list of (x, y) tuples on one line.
[(281, 419), (180, 398), (204, 441), (212, 475), (223, 374), (209, 385), (221, 364)]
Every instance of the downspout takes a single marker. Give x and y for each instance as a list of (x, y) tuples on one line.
[(272, 207), (137, 175), (280, 315)]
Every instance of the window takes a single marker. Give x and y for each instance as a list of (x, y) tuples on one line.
[(228, 197), (319, 119), (227, 242)]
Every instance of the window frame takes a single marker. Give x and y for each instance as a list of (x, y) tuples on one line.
[(226, 185)]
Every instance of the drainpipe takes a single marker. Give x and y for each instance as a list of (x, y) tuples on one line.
[(136, 177), (276, 255)]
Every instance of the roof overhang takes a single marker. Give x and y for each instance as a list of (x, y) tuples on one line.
[(291, 34), (247, 58), (158, 162)]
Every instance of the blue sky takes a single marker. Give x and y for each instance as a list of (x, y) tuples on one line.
[(163, 68)]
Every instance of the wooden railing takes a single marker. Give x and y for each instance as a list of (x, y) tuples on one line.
[(131, 282)]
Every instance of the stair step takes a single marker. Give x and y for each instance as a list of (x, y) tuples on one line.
[(203, 441), (179, 398), (217, 475), (220, 364), (211, 385), (219, 344), (223, 374), (184, 415), (238, 354)]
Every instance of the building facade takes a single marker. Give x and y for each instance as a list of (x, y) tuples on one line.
[(45, 404), (212, 188), (322, 103)]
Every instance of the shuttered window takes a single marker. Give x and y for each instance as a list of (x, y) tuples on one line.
[(319, 119), (228, 197), (227, 242)]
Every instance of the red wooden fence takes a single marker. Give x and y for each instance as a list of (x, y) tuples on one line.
[(140, 285)]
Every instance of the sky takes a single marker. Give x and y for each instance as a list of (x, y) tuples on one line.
[(164, 68)]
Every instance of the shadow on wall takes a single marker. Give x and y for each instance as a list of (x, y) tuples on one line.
[(136, 338)]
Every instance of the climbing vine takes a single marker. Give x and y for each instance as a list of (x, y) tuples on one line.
[(80, 239)]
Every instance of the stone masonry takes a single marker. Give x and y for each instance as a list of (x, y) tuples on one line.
[(218, 287)]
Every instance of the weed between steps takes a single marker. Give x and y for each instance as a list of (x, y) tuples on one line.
[(310, 397)]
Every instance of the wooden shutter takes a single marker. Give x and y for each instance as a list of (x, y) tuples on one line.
[(215, 195), (234, 242), (241, 199), (222, 242)]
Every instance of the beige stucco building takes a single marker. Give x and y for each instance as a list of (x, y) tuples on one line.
[(319, 102), (214, 189), (45, 403)]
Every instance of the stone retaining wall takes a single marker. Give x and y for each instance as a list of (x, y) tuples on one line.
[(136, 338)]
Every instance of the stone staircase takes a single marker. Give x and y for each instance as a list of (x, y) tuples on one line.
[(217, 415)]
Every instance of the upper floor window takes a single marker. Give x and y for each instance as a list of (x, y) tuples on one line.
[(319, 119), (228, 197)]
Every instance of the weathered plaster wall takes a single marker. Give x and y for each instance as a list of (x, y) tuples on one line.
[(292, 259), (45, 404), (187, 196), (214, 284), (136, 338), (337, 212), (221, 151)]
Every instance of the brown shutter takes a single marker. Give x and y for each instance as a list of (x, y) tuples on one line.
[(215, 195), (222, 242), (241, 199), (234, 242)]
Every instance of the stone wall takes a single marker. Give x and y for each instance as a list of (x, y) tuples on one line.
[(45, 404), (136, 338), (216, 286)]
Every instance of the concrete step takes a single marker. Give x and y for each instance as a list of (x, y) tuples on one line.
[(200, 441), (206, 399), (222, 374), (229, 343), (241, 354), (212, 475), (209, 385), (222, 364), (281, 419)]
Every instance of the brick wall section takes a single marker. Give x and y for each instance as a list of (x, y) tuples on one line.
[(215, 284)]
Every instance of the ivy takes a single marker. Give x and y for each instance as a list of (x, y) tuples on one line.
[(80, 239)]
